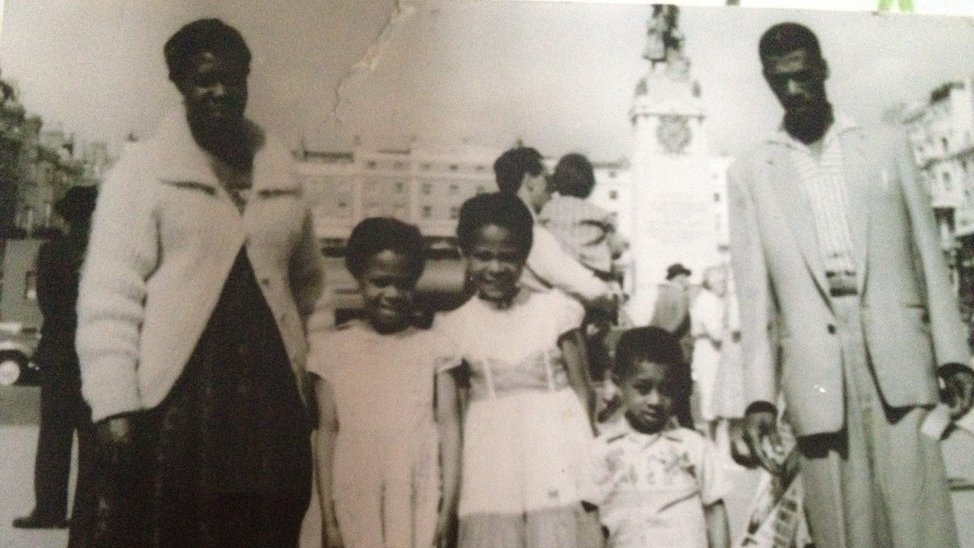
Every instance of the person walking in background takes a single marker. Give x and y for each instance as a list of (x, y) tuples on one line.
[(380, 464), (63, 409), (672, 309), (838, 261), (529, 417), (202, 271), (708, 318), (728, 402), (654, 482)]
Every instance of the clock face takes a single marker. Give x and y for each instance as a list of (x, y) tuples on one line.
[(673, 133)]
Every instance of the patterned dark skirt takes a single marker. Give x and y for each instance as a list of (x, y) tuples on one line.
[(225, 460)]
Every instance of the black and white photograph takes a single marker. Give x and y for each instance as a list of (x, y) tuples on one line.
[(485, 274)]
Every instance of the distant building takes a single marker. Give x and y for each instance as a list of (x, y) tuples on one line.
[(941, 134), (423, 187), (36, 168), (427, 186)]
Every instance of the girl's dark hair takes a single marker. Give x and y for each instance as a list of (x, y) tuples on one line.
[(498, 209), (574, 176), (377, 234), (650, 344)]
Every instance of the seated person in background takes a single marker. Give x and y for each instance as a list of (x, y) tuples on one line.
[(656, 483)]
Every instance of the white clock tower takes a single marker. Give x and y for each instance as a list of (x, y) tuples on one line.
[(673, 195)]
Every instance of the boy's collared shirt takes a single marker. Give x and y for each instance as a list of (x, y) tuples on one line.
[(651, 488)]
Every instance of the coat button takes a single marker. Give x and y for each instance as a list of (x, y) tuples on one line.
[(831, 329)]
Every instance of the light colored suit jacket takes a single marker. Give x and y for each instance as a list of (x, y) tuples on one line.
[(910, 316)]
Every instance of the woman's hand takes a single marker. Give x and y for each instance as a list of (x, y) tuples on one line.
[(115, 438), (117, 430)]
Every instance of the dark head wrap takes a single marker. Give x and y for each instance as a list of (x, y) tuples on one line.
[(201, 35)]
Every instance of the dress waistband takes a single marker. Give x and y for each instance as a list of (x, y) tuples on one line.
[(540, 372)]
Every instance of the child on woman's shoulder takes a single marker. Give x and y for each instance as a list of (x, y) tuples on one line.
[(388, 405), (656, 483)]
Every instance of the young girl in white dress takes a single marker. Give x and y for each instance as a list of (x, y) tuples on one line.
[(526, 428), (388, 405)]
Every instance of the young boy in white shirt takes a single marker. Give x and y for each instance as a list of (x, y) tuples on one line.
[(656, 483)]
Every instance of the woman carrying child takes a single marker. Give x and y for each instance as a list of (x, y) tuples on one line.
[(526, 427), (388, 405), (656, 483)]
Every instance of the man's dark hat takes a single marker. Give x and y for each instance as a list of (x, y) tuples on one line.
[(77, 204), (675, 270)]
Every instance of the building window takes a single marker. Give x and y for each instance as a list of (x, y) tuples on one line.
[(400, 186), (426, 212), (426, 188), (454, 167), (613, 194), (370, 164), (454, 189), (454, 213)]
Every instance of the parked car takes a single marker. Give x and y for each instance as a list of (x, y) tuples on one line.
[(17, 345)]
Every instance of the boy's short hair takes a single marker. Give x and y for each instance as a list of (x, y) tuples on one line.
[(377, 234), (650, 344), (574, 176)]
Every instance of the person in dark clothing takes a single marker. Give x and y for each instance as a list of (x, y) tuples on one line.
[(63, 410)]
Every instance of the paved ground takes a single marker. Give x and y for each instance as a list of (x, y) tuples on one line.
[(18, 437)]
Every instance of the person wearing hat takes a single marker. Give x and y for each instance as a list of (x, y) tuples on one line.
[(672, 310), (202, 273), (63, 410), (672, 313)]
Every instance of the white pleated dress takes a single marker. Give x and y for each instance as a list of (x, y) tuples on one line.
[(526, 434)]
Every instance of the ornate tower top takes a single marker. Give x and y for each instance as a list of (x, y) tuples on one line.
[(664, 41), (668, 75)]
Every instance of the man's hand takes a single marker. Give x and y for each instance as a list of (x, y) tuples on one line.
[(761, 435), (959, 390)]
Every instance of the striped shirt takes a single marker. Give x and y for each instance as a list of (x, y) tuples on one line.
[(820, 175)]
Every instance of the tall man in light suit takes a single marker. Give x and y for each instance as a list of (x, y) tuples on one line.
[(850, 313)]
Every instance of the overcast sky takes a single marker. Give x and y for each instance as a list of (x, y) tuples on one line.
[(559, 76)]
